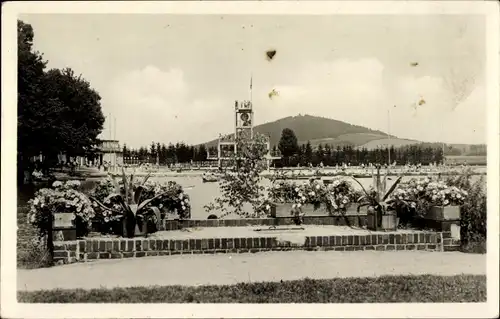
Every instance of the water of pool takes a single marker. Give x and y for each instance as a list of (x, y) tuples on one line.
[(202, 194)]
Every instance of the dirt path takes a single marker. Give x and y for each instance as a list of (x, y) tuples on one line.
[(229, 269)]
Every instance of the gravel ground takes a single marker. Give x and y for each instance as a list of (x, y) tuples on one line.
[(251, 231), (193, 270)]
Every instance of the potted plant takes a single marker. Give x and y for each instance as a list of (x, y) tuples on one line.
[(314, 197), (445, 201), (133, 212), (381, 212), (432, 199)]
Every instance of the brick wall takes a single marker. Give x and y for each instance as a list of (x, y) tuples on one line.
[(102, 248)]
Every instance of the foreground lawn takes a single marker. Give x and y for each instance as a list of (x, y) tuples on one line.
[(426, 288)]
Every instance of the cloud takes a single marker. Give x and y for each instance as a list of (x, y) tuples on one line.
[(151, 104), (340, 89), (362, 92)]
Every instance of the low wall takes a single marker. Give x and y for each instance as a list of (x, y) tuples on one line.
[(348, 220), (104, 248)]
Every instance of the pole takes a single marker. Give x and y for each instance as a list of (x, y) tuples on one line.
[(110, 126), (114, 133), (389, 136), (251, 84), (442, 146)]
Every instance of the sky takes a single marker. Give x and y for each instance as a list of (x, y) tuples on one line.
[(172, 78)]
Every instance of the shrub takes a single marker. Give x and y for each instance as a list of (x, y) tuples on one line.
[(336, 196), (240, 183), (62, 198), (413, 199), (473, 218), (35, 254)]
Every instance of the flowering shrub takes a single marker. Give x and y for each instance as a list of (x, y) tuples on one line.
[(37, 175), (473, 215), (62, 198), (336, 196), (418, 195), (240, 184), (435, 192)]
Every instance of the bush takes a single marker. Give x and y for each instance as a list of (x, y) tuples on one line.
[(336, 196), (473, 211), (34, 254), (422, 288), (63, 197), (473, 219)]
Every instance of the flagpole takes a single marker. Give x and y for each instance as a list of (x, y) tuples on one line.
[(389, 136), (110, 126), (251, 78)]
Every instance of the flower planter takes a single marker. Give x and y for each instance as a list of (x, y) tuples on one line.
[(444, 213), (353, 210), (372, 219), (63, 227), (444, 218), (140, 230), (285, 209), (389, 221)]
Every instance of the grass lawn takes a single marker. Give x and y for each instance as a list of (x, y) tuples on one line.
[(424, 288)]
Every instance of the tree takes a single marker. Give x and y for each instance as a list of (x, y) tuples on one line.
[(126, 151), (57, 111), (152, 151), (201, 153), (308, 153), (163, 154), (318, 156), (77, 119), (30, 104), (288, 144)]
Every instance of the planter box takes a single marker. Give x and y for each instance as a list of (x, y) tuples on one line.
[(444, 213), (389, 221), (444, 218), (372, 220), (284, 210), (353, 210), (64, 234), (63, 227), (139, 231)]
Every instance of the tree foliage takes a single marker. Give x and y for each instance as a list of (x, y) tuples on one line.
[(240, 184), (288, 144), (58, 111)]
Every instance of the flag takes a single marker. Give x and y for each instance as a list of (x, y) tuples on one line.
[(251, 82)]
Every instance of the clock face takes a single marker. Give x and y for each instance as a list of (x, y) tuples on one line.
[(245, 119)]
